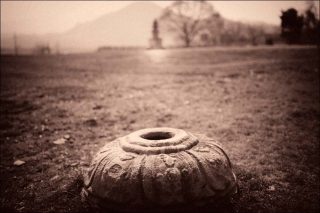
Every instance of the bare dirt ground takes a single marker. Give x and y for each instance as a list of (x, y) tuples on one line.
[(262, 104)]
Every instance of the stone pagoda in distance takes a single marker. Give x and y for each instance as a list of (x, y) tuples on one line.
[(155, 41)]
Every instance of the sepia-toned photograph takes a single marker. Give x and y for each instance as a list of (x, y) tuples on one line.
[(160, 106)]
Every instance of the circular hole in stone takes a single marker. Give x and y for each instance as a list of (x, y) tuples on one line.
[(157, 135)]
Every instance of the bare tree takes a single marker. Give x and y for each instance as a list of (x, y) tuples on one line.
[(255, 32), (311, 6), (215, 25), (187, 18)]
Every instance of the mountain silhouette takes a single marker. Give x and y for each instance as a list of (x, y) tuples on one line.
[(130, 26)]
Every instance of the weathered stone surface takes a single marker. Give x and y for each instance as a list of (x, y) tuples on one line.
[(164, 168)]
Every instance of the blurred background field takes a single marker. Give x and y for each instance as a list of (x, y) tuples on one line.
[(261, 103)]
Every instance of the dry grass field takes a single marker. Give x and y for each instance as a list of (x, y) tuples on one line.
[(261, 103)]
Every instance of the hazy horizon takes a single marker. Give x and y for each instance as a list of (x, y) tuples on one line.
[(38, 17)]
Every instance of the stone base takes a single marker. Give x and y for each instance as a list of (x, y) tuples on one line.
[(159, 170)]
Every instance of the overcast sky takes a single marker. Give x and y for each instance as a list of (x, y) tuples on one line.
[(39, 17)]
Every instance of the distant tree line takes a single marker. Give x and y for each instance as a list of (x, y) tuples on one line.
[(225, 32), (196, 23), (301, 29)]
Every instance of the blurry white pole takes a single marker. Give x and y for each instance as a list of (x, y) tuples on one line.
[(15, 44)]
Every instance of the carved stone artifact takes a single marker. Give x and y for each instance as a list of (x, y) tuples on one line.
[(159, 168)]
